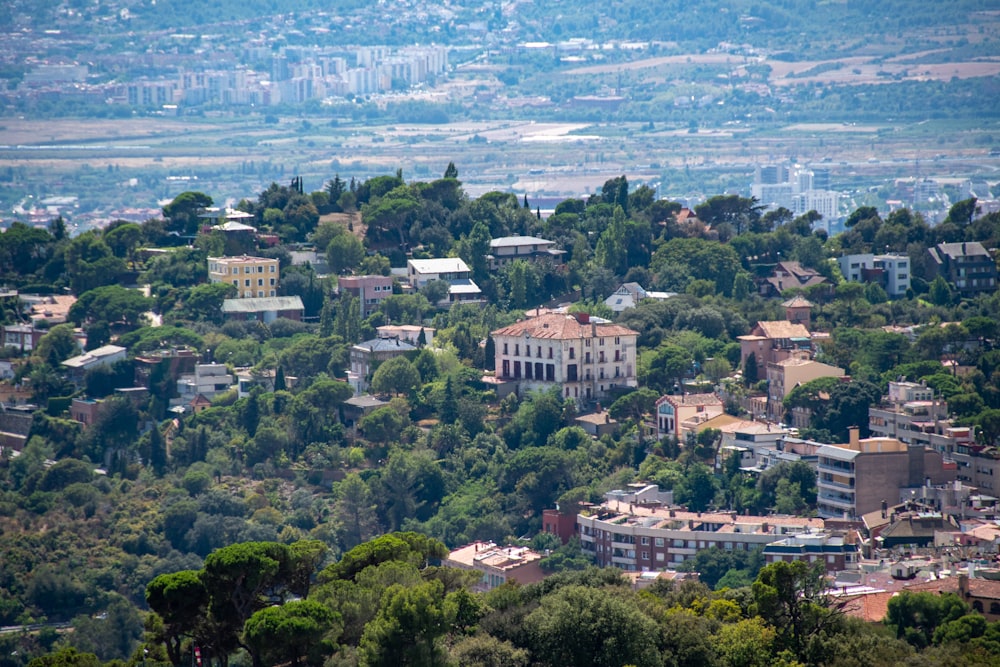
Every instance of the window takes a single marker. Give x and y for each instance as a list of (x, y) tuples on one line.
[(538, 353), (517, 369), (505, 348), (506, 367), (260, 282), (660, 556), (517, 350), (550, 353), (272, 282), (572, 353), (571, 373), (644, 541), (658, 541), (527, 371), (272, 268), (645, 555), (246, 283)]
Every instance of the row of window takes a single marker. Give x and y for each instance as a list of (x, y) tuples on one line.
[(572, 351), (535, 371), (260, 282), (248, 294), (235, 270)]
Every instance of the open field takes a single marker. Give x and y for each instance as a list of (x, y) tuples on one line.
[(112, 165)]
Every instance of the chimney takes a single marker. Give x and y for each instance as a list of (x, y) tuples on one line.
[(764, 527), (854, 432), (885, 507)]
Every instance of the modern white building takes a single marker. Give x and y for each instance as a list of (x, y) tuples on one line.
[(452, 270), (586, 357), (102, 356), (208, 380), (892, 271)]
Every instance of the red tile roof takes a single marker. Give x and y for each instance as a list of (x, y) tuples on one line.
[(562, 327)]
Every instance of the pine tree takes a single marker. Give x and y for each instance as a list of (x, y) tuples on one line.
[(279, 379), (451, 171), (251, 414), (449, 405), (326, 319), (157, 451)]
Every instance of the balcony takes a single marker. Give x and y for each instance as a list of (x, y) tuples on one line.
[(840, 500)]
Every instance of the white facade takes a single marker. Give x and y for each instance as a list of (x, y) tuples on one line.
[(207, 380), (894, 270), (585, 358), (451, 270)]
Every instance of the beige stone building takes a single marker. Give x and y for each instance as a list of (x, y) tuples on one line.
[(252, 276), (498, 565), (585, 357), (854, 478)]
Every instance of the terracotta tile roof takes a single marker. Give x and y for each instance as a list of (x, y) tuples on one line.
[(562, 327), (870, 607), (691, 399), (782, 329), (718, 421), (798, 302)]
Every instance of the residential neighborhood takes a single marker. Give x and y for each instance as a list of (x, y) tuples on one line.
[(650, 400)]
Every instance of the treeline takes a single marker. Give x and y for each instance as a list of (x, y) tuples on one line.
[(389, 602)]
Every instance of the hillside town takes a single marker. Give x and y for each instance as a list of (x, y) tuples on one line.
[(687, 396)]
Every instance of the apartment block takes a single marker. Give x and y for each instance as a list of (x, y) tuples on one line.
[(371, 291), (645, 538), (784, 375), (969, 267), (854, 478), (498, 565), (252, 276), (911, 414)]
